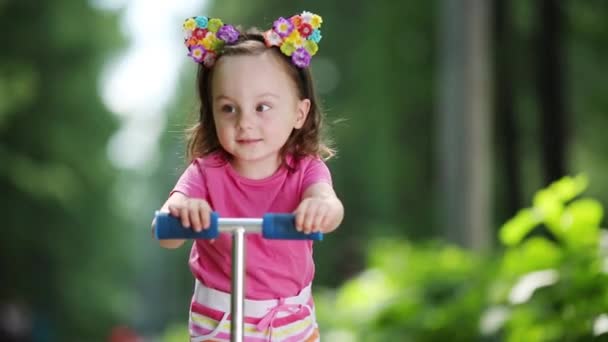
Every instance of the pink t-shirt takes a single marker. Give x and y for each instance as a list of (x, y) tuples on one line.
[(274, 268)]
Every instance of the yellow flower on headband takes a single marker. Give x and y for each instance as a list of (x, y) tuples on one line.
[(190, 24), (316, 21), (295, 38)]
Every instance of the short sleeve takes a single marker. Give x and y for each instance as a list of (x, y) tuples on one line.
[(316, 171), (192, 182)]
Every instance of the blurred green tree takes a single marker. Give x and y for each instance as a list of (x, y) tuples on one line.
[(62, 253)]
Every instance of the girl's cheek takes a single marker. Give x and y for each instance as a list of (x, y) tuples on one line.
[(268, 116)]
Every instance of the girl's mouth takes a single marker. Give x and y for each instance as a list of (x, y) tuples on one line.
[(248, 141)]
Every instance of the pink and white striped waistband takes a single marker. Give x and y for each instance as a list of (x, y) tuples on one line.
[(219, 300)]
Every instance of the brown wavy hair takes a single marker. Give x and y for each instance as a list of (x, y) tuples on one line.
[(202, 138)]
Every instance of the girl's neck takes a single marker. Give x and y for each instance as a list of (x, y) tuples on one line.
[(256, 169)]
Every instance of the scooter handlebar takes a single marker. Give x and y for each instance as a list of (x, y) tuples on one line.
[(274, 226)]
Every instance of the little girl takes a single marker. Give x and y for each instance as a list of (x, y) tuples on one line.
[(256, 148)]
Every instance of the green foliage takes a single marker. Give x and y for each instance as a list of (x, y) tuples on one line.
[(413, 293), (62, 253), (540, 288), (176, 333), (558, 287), (570, 225)]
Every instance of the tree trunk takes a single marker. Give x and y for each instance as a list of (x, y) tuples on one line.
[(464, 142), (550, 66), (506, 123)]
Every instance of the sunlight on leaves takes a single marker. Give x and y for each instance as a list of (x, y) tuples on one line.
[(535, 254), (580, 223), (567, 188), (365, 295), (514, 230)]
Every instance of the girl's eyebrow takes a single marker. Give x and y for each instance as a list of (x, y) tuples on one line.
[(222, 97), (269, 94), (266, 94)]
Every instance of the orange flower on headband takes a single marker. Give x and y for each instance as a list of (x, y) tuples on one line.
[(296, 37)]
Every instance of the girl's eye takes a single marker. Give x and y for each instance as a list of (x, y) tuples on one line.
[(228, 109), (262, 108)]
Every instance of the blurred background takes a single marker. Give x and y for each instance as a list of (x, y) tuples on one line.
[(471, 163)]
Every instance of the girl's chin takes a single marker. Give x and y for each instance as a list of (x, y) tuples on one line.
[(256, 160)]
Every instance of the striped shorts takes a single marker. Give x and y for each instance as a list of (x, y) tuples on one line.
[(289, 319)]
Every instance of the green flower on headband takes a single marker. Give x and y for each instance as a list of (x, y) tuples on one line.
[(201, 21), (288, 48), (218, 44), (212, 43), (214, 24), (311, 47)]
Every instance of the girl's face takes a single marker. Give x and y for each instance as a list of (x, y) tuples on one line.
[(255, 109)]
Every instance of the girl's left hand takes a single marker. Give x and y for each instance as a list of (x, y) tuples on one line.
[(319, 214)]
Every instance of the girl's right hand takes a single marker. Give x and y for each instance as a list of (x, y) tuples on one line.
[(194, 213)]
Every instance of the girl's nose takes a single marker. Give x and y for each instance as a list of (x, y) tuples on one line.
[(245, 120)]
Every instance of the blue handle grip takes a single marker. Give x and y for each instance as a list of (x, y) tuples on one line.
[(169, 227), (283, 227)]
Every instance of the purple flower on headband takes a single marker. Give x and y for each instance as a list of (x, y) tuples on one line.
[(197, 52), (300, 57), (228, 34), (283, 27)]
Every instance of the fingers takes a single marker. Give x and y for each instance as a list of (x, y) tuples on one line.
[(206, 216), (314, 219), (180, 211), (195, 214), (300, 213), (200, 215), (174, 210), (311, 216), (319, 222)]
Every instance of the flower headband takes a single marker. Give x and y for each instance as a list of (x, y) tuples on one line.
[(205, 38), (296, 37)]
